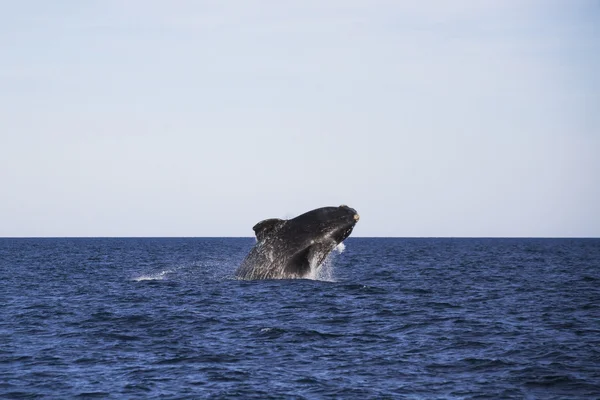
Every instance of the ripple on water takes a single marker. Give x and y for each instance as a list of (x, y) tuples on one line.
[(402, 318)]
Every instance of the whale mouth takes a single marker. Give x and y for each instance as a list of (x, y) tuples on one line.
[(342, 233)]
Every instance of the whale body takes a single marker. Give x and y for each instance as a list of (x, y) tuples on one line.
[(288, 249)]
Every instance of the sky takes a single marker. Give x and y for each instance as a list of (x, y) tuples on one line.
[(201, 118)]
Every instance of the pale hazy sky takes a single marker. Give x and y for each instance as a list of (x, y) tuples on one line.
[(200, 118)]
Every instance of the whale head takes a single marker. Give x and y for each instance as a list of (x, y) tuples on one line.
[(326, 224)]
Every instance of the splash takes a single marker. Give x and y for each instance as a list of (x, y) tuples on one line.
[(154, 277), (325, 272), (210, 268)]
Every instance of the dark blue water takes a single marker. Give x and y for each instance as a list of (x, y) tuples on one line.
[(399, 318)]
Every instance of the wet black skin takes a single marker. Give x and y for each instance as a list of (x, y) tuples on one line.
[(286, 248)]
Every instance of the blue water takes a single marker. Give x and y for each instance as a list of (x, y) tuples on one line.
[(395, 318)]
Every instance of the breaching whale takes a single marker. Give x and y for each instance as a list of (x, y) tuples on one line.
[(287, 249)]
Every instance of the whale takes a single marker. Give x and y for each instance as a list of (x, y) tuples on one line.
[(292, 248)]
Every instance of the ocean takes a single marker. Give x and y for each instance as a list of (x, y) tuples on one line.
[(394, 318)]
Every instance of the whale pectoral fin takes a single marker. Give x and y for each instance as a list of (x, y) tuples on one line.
[(299, 265), (264, 227)]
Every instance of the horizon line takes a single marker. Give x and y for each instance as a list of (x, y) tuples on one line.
[(252, 237)]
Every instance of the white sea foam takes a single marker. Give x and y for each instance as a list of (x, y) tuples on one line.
[(193, 270), (154, 277), (325, 272)]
